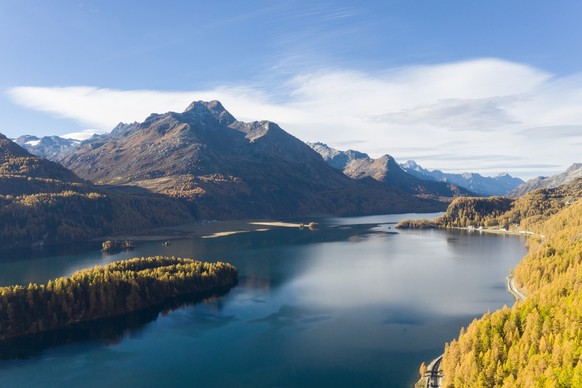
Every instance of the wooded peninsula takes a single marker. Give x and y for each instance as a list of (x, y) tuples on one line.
[(106, 291)]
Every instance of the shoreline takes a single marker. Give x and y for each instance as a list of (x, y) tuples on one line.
[(525, 233), (204, 229)]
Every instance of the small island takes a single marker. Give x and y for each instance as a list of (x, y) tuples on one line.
[(106, 291), (117, 245)]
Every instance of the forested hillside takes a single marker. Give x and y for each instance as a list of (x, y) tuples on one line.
[(537, 342), (42, 202), (525, 213)]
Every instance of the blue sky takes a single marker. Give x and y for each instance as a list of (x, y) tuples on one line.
[(485, 86)]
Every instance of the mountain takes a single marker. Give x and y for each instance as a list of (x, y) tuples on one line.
[(501, 184), (22, 173), (226, 168), (335, 158), (573, 172), (53, 148), (42, 202), (358, 165)]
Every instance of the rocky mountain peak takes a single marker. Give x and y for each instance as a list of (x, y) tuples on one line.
[(410, 164), (121, 129), (389, 161), (336, 158), (205, 106), (210, 109)]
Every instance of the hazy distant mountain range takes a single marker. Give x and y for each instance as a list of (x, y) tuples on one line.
[(573, 172), (497, 185), (52, 148), (357, 164)]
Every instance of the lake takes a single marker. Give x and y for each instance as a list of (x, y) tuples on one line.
[(355, 303)]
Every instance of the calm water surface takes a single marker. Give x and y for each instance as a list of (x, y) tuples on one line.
[(352, 304)]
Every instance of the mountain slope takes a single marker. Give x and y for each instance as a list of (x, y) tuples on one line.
[(230, 169), (358, 165), (573, 172), (498, 185), (41, 202)]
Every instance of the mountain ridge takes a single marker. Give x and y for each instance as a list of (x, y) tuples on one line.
[(501, 184), (573, 172), (226, 168), (56, 149), (358, 165), (53, 148)]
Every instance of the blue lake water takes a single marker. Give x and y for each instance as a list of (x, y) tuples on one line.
[(354, 303)]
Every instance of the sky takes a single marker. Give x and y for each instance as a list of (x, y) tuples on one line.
[(481, 86)]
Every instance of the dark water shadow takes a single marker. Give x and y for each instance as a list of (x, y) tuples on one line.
[(107, 331), (53, 250)]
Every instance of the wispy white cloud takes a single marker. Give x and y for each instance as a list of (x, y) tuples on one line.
[(481, 114), (466, 109), (83, 135), (553, 131), (103, 108)]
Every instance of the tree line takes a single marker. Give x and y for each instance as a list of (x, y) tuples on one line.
[(527, 212), (77, 215), (104, 291)]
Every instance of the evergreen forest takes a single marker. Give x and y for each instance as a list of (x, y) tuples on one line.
[(105, 291), (538, 341)]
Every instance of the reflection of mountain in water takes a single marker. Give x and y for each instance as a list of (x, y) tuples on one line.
[(109, 331), (292, 236)]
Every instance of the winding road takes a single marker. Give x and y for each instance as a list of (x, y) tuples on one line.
[(433, 373), (513, 290)]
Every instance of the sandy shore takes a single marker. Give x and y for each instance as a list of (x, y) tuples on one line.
[(205, 229), (276, 223)]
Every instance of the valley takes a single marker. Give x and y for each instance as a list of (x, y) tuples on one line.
[(290, 194), (201, 175)]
